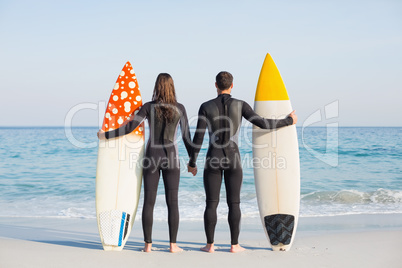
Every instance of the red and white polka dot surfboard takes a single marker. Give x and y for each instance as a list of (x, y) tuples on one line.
[(124, 101), (119, 170)]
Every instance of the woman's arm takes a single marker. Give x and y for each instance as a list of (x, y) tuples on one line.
[(131, 125), (185, 129)]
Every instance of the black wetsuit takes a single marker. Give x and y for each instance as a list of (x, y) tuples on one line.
[(161, 155), (223, 116)]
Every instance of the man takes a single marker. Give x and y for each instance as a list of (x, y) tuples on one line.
[(222, 116)]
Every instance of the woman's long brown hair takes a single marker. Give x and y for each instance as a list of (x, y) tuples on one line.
[(165, 96)]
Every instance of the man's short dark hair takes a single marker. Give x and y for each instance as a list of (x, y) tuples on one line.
[(224, 80)]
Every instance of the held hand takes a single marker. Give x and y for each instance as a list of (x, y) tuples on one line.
[(192, 170), (101, 135), (294, 116)]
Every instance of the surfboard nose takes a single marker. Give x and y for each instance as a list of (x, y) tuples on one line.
[(270, 85), (124, 100)]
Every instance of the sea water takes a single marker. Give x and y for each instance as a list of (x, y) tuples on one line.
[(50, 172)]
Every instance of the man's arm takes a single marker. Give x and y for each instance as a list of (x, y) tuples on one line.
[(265, 123), (198, 137)]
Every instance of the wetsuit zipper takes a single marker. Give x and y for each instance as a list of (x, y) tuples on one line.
[(225, 111)]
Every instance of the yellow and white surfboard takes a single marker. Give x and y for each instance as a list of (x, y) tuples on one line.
[(276, 161)]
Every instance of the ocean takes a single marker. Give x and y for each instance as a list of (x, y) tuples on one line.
[(50, 172)]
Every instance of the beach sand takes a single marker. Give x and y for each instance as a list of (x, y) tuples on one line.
[(339, 241)]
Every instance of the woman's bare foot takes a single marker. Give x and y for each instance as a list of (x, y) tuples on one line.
[(174, 248), (208, 248), (147, 247), (236, 248)]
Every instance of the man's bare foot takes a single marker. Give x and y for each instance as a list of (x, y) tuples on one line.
[(174, 248), (147, 247), (208, 248), (236, 248)]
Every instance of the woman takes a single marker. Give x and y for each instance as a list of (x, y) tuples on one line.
[(164, 114)]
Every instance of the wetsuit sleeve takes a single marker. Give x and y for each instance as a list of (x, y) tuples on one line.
[(131, 125), (198, 136), (264, 123), (185, 130)]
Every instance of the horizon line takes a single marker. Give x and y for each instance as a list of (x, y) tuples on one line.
[(55, 126)]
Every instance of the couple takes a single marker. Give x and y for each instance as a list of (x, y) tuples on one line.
[(222, 116)]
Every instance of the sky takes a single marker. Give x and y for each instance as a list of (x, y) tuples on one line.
[(59, 60)]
